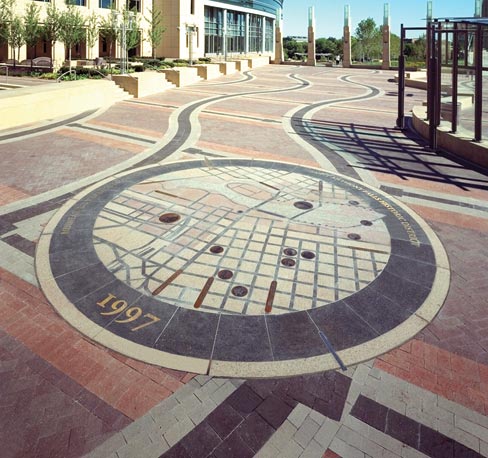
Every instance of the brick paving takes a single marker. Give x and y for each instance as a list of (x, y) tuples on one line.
[(63, 395)]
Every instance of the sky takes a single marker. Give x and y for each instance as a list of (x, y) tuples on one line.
[(329, 14)]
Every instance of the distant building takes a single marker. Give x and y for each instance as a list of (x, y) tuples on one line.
[(298, 39)]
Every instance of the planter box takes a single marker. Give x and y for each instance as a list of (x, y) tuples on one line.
[(142, 84), (208, 71), (227, 68), (182, 76)]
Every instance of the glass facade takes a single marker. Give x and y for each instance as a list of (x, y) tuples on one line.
[(255, 33), (229, 25), (214, 30), (269, 6), (236, 31), (269, 37)]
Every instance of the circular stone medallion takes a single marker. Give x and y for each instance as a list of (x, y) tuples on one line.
[(159, 293)]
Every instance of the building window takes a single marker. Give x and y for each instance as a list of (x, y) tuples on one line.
[(192, 6), (105, 3), (134, 5), (269, 37), (255, 33), (236, 31), (76, 2), (214, 23)]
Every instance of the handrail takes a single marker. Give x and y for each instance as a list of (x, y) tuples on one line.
[(109, 76), (58, 80), (6, 72)]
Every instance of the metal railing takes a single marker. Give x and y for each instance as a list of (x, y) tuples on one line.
[(60, 77)]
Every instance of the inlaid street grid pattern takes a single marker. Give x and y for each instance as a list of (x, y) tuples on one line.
[(242, 233)]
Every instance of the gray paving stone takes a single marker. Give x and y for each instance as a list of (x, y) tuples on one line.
[(268, 451), (220, 381), (223, 392), (344, 450), (462, 411), (200, 413), (206, 390), (408, 452), (237, 382), (184, 392), (165, 421), (180, 413), (420, 416), (178, 431), (283, 435), (463, 437), (357, 425), (169, 403), (298, 414), (109, 446), (483, 448), (351, 437), (134, 429), (191, 403), (292, 450), (432, 408), (306, 432), (313, 450), (326, 433), (317, 417), (385, 441), (202, 379)]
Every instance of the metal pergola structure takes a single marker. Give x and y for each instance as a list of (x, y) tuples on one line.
[(441, 52)]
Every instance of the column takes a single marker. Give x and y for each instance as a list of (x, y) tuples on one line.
[(386, 37), (246, 41), (278, 42), (263, 39), (224, 34), (311, 37), (346, 58)]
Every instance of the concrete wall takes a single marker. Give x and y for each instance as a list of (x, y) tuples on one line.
[(29, 104)]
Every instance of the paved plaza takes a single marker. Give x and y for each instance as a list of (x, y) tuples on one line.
[(258, 265)]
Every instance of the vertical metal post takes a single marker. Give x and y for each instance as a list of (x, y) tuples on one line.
[(438, 52), (478, 84), (401, 81), (455, 74), (432, 89)]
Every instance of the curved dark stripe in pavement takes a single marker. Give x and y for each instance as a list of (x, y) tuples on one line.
[(184, 124), (8, 220), (305, 130), (248, 77), (53, 125)]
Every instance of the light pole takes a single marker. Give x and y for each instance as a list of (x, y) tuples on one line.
[(124, 21)]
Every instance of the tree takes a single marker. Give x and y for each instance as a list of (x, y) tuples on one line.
[(394, 45), (292, 47), (51, 27), (109, 31), (91, 31), (71, 28), (6, 16), (155, 29), (32, 27), (16, 35), (132, 24), (330, 45), (369, 37)]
